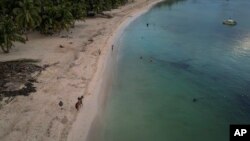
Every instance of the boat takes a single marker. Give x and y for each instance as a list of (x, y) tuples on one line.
[(229, 22)]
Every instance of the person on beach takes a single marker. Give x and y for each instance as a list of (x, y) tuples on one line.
[(195, 100), (112, 47), (151, 60), (99, 52)]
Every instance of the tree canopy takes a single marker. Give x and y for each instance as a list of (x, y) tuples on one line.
[(47, 16)]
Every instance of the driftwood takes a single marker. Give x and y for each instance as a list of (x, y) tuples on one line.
[(104, 15)]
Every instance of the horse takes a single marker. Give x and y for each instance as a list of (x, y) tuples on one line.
[(78, 104)]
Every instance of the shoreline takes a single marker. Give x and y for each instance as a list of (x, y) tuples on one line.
[(84, 129), (78, 70)]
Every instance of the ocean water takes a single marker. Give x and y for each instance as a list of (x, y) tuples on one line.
[(193, 79)]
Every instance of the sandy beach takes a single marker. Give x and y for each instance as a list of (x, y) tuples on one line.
[(81, 59)]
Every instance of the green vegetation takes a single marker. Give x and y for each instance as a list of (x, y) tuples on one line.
[(56, 16), (8, 33), (17, 17), (27, 15)]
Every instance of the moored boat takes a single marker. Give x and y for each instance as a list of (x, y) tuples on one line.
[(229, 22)]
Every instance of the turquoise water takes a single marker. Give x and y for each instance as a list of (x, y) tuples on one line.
[(193, 79)]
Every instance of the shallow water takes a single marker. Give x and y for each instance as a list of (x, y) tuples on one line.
[(193, 79)]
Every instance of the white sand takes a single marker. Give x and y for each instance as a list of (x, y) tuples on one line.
[(81, 71)]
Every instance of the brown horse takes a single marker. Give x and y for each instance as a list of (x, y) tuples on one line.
[(79, 103)]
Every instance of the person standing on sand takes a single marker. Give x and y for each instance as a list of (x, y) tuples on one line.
[(112, 47), (99, 52)]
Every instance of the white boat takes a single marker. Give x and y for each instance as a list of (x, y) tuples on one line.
[(229, 22)]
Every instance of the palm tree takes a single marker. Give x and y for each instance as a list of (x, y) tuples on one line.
[(78, 9), (65, 17), (56, 16), (27, 15), (107, 4), (98, 5), (9, 33), (6, 6)]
